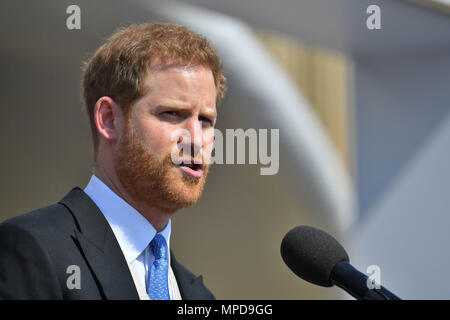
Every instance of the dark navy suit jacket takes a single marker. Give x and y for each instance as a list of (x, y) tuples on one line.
[(37, 249)]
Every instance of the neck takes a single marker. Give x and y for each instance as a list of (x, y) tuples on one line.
[(157, 218)]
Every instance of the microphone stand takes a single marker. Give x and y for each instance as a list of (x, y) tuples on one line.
[(354, 282)]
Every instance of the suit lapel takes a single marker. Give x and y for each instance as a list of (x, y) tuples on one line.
[(191, 287), (100, 248)]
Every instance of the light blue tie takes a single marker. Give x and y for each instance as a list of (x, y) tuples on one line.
[(158, 288)]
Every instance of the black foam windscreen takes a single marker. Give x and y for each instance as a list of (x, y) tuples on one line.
[(311, 254)]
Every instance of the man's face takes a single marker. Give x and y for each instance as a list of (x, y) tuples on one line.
[(178, 99)]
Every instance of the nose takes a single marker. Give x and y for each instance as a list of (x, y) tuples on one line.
[(194, 127)]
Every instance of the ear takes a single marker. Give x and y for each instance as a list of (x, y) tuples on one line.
[(108, 118)]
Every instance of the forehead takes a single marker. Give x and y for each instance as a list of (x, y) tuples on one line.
[(189, 85)]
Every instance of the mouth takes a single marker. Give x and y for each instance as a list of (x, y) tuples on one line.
[(194, 170)]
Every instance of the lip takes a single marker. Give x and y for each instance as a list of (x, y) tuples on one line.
[(193, 173)]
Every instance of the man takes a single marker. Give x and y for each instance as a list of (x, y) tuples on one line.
[(151, 93)]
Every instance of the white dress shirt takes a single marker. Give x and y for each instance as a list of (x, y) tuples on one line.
[(133, 232)]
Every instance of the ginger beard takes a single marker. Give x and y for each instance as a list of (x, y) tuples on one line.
[(157, 183)]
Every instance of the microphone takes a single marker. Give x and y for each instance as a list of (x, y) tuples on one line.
[(317, 257)]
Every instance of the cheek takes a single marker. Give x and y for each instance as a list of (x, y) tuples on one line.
[(157, 140), (208, 144), (208, 137)]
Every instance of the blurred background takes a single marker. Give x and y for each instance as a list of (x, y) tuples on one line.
[(361, 101)]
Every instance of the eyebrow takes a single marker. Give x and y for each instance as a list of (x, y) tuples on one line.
[(180, 107)]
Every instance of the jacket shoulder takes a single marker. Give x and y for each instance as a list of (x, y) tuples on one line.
[(24, 254), (53, 218)]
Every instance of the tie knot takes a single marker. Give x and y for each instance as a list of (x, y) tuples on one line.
[(159, 247)]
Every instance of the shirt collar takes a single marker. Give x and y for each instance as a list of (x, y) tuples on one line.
[(132, 230)]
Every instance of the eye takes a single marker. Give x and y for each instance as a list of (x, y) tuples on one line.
[(208, 121), (171, 116), (170, 113)]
